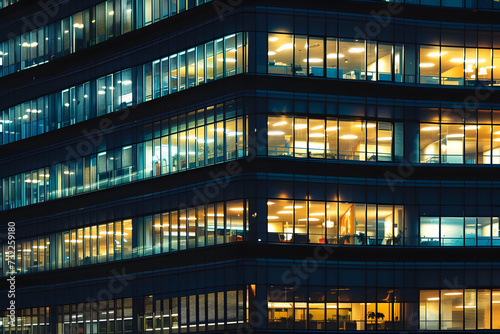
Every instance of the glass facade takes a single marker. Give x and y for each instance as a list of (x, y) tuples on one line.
[(459, 231), (124, 88), (460, 143), (201, 226), (91, 26), (206, 137), (367, 60), (177, 314), (332, 138), (469, 4)]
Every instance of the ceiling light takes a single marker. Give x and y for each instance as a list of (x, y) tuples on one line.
[(433, 298), (236, 209), (270, 203), (314, 60), (329, 224), (365, 125), (317, 127), (280, 123), (427, 64), (271, 53), (317, 214), (457, 60), (296, 207), (285, 212), (356, 50), (272, 217), (273, 39), (349, 137), (437, 54), (275, 133), (300, 126), (287, 46), (470, 127), (385, 138), (455, 135), (333, 128), (316, 135), (453, 294), (430, 128), (334, 56), (112, 13)]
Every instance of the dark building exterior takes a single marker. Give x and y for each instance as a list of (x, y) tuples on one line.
[(249, 166)]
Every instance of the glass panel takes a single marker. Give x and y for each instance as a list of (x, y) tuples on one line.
[(235, 211), (384, 141), (429, 310), (429, 143), (452, 231), (316, 222), (280, 131), (429, 64), (452, 66), (384, 64), (280, 54), (331, 138), (316, 48), (471, 63), (332, 58), (280, 220), (316, 138), (452, 143), (300, 126), (352, 140), (452, 306), (353, 64)]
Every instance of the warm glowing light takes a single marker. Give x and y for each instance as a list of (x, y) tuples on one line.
[(437, 54), (287, 46), (334, 56), (385, 138), (430, 128), (314, 60), (356, 50), (427, 64), (271, 53), (280, 123), (275, 133), (272, 217), (455, 135), (273, 39), (349, 137)]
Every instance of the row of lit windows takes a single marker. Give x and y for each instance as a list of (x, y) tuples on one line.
[(347, 223), (356, 309), (475, 4), (459, 143), (333, 138), (222, 310), (356, 59), (334, 223), (459, 231), (201, 226), (351, 309), (288, 221), (94, 25), (5, 3), (181, 150), (186, 69), (196, 313)]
